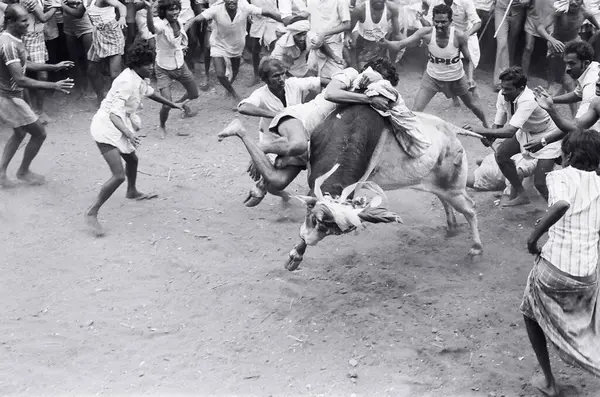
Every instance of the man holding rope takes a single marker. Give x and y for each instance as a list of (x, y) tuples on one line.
[(519, 120)]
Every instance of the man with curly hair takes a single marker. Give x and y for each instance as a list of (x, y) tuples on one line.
[(295, 124), (115, 125), (171, 40)]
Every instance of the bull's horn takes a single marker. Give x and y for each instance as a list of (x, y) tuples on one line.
[(307, 200), (319, 181), (372, 186)]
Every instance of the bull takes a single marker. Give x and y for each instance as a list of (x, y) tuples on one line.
[(346, 147)]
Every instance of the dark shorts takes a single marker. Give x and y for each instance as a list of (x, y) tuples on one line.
[(105, 147), (165, 78), (451, 89)]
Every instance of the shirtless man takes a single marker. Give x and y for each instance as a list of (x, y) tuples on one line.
[(372, 21), (445, 72), (564, 25), (295, 125)]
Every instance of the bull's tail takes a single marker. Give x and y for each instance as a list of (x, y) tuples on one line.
[(450, 127)]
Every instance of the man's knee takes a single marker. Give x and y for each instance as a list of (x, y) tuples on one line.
[(120, 176), (503, 155), (37, 131)]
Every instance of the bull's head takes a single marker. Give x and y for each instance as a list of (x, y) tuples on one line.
[(328, 215)]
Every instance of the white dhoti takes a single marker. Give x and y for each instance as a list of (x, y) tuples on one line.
[(318, 61)]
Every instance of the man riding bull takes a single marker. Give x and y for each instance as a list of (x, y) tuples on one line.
[(293, 127)]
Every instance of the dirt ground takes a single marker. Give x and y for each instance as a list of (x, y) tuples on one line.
[(187, 295)]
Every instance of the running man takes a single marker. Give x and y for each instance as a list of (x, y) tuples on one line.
[(14, 111), (445, 72)]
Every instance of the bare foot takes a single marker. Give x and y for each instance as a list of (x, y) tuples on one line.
[(92, 221), (548, 389), (519, 200), (31, 178), (235, 128), (204, 86), (139, 196), (6, 183), (163, 132)]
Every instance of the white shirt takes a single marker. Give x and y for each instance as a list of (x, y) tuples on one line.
[(287, 7), (123, 99), (532, 122), (186, 12), (572, 244), (328, 14), (169, 49), (296, 90), (292, 58), (586, 90), (312, 113), (228, 37)]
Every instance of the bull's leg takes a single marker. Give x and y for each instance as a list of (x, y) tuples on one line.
[(450, 218), (296, 255), (463, 204)]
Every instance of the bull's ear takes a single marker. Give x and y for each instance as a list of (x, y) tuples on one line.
[(379, 215), (309, 201)]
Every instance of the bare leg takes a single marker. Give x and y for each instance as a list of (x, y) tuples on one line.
[(477, 111), (219, 64), (163, 115), (204, 84), (12, 145), (94, 71), (422, 100), (504, 152), (114, 66), (235, 68), (113, 159), (526, 59), (255, 45), (539, 176), (538, 342), (274, 177)]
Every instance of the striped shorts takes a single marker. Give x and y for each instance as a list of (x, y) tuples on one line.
[(107, 41), (35, 45)]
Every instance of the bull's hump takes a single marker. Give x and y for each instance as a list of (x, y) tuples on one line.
[(348, 136)]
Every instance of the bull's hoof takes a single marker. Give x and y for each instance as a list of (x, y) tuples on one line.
[(293, 261), (255, 196), (292, 264), (476, 250)]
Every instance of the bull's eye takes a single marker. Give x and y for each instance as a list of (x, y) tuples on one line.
[(321, 227)]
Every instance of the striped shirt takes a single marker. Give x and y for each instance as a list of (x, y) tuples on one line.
[(12, 51), (572, 244)]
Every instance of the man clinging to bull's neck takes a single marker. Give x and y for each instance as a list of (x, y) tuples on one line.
[(295, 124), (266, 102)]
